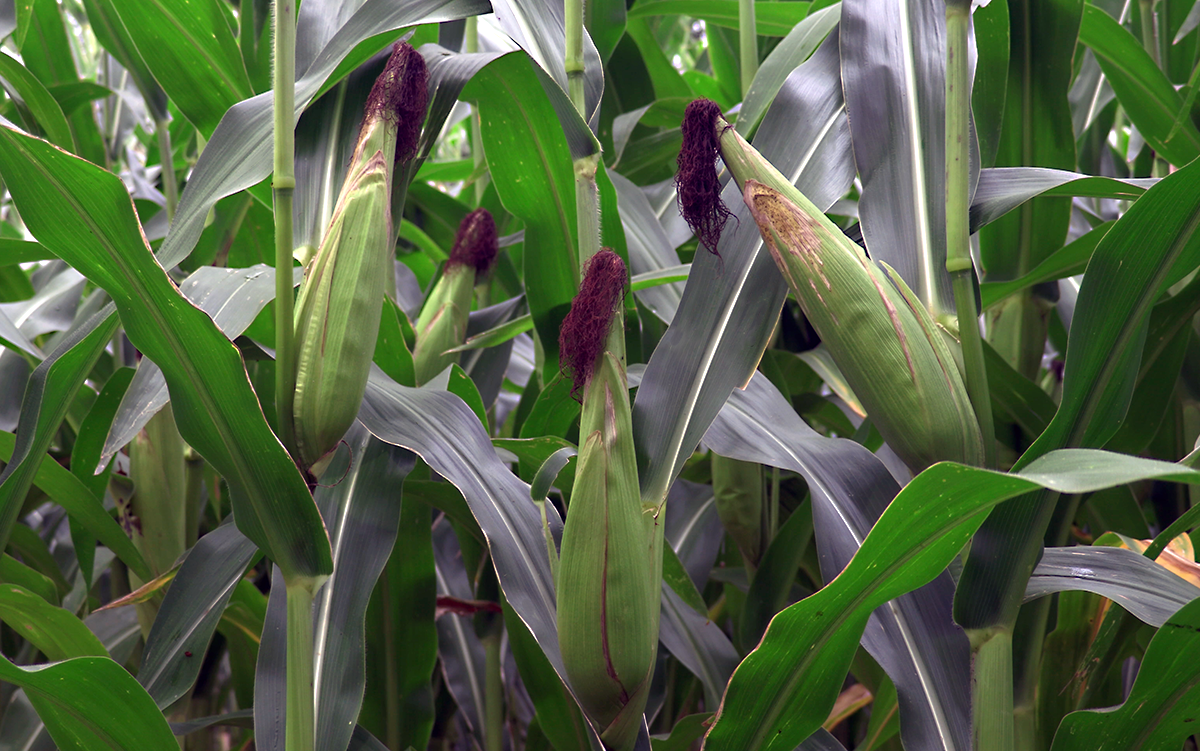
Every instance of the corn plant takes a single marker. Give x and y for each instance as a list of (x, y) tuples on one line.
[(651, 374)]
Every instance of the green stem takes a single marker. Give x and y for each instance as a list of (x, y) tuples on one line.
[(773, 509), (1149, 30), (493, 695), (166, 157), (748, 41), (991, 690), (301, 718), (573, 55), (283, 186), (958, 237), (587, 207), (470, 45)]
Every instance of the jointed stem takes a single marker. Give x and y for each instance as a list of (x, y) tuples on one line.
[(748, 41), (301, 715), (958, 248), (283, 187)]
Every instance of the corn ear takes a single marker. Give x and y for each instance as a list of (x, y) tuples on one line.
[(883, 340), (338, 310), (442, 324), (610, 569)]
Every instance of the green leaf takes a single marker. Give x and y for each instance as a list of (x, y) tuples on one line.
[(1143, 90), (190, 50), (795, 48), (1160, 712), (37, 107), (1152, 246), (363, 510), (1147, 590), (86, 214), (785, 689), (56, 632), (1068, 260), (77, 500), (1036, 131), (773, 19), (530, 165), (92, 703), (190, 612), (110, 31)]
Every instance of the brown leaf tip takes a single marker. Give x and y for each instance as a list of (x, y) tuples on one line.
[(475, 244), (585, 329), (401, 96), (696, 182)]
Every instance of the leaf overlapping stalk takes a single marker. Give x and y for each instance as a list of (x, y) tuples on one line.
[(610, 570)]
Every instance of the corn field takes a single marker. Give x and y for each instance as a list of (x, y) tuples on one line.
[(647, 375)]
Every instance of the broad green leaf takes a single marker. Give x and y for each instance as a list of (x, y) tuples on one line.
[(1151, 247), (13, 252), (86, 214), (401, 637), (190, 611), (1147, 590), (913, 637), (441, 429), (557, 713), (1160, 711), (363, 511), (530, 165), (106, 24), (190, 50), (233, 297), (699, 644), (1002, 189), (91, 703), (1143, 90), (1068, 260), (85, 456), (787, 57), (1036, 132), (893, 71), (33, 101), (785, 689), (13, 571), (56, 632), (770, 18), (538, 27), (67, 491), (989, 90)]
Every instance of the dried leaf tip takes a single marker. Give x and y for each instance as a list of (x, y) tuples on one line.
[(475, 244), (696, 182), (585, 329), (400, 96)]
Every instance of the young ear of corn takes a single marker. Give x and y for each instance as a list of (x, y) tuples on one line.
[(884, 341), (337, 313), (610, 569), (442, 324)]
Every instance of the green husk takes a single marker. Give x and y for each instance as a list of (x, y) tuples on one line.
[(885, 342), (610, 570), (442, 324)]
